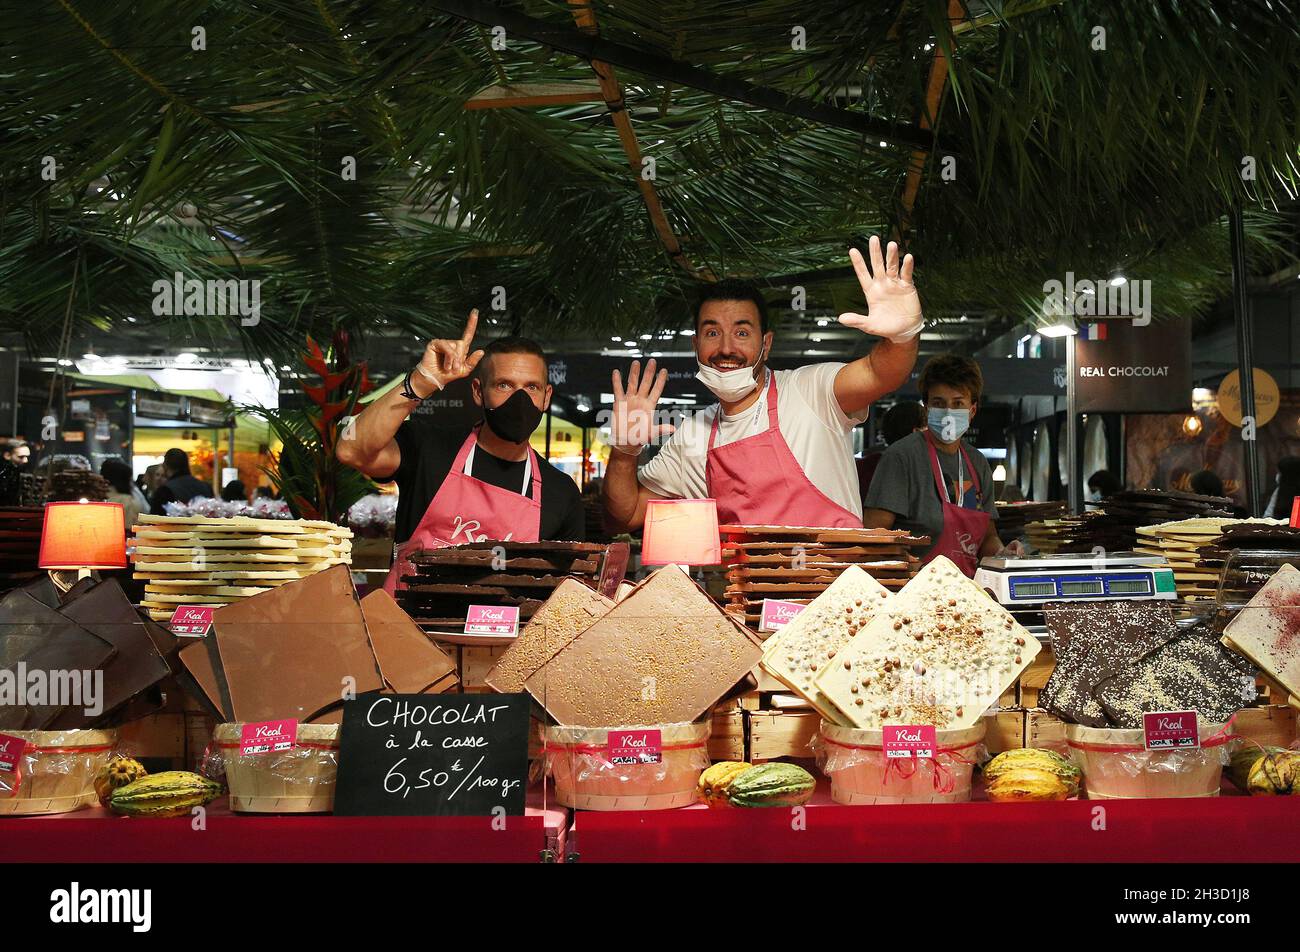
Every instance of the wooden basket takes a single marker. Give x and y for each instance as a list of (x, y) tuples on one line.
[(854, 760), (1117, 766), (577, 757), (299, 780), (56, 773)]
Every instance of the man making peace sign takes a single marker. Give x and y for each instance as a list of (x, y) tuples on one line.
[(456, 488)]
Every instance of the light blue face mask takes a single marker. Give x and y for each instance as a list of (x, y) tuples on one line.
[(948, 425)]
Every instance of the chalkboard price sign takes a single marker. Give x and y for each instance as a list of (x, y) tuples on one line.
[(433, 755)]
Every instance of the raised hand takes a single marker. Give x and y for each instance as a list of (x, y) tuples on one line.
[(893, 306), (445, 361), (633, 425)]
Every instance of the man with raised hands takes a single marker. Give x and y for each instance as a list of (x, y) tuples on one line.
[(456, 487), (776, 449)]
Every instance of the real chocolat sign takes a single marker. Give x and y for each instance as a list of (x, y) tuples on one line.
[(433, 755), (1121, 366)]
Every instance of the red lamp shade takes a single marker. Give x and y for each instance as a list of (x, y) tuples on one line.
[(83, 535), (681, 531)]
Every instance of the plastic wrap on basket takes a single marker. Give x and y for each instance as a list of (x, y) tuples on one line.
[(861, 773), (1117, 765), (586, 777), (55, 770), (300, 779)]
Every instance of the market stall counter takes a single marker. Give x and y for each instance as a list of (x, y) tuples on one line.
[(97, 836), (1224, 829)]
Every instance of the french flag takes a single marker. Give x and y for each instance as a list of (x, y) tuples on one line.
[(1094, 331)]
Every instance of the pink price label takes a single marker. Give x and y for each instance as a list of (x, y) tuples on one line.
[(193, 621), (492, 620), (11, 750), (778, 614), (634, 747), (267, 737), (909, 740), (1171, 730)]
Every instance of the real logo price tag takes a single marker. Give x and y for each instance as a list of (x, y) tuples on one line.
[(267, 737), (492, 620), (1171, 730), (11, 751), (634, 747), (778, 614), (909, 740), (192, 621)]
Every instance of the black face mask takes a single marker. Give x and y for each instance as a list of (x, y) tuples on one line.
[(515, 420)]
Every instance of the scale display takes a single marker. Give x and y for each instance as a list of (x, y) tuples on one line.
[(1099, 586), (1035, 580)]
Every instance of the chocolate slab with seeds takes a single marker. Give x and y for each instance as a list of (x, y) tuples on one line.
[(1190, 673), (665, 654), (572, 608), (1091, 640)]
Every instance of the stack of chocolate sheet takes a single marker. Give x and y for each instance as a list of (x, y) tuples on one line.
[(665, 654), (69, 485), (1267, 629), (796, 564), (447, 581), (198, 560), (20, 545), (300, 650), (1117, 660), (1013, 517), (86, 659), (1074, 534), (1132, 508), (1191, 547)]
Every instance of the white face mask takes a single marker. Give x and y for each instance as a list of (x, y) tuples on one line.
[(729, 385)]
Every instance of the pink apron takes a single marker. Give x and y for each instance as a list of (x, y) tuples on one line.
[(758, 482), (465, 509), (963, 529)]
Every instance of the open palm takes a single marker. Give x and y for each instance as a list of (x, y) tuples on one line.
[(633, 424), (893, 306)]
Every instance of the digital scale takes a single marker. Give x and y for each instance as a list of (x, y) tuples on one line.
[(1028, 583)]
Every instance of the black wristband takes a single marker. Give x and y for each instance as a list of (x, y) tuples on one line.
[(406, 390)]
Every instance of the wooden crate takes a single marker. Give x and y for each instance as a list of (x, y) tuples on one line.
[(1274, 725), (1004, 730), (1044, 730), (777, 734), (473, 664), (159, 738), (727, 739)]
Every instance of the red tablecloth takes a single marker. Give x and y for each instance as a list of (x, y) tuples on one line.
[(1214, 829), (95, 835)]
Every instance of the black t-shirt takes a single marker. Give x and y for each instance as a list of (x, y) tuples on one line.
[(178, 489), (428, 452)]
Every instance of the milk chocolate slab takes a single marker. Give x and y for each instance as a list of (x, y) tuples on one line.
[(1193, 672), (1092, 640), (286, 653), (664, 654), (200, 676), (409, 662), (572, 608), (137, 666)]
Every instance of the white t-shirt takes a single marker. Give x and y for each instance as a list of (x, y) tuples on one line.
[(817, 430)]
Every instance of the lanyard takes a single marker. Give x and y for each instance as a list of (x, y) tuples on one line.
[(528, 468)]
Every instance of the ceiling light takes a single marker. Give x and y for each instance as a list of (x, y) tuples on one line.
[(689, 332), (629, 343), (91, 355), (822, 322), (645, 336), (268, 361), (999, 473), (616, 339), (657, 353), (1061, 327), (1192, 424), (185, 357), (1117, 280), (64, 362)]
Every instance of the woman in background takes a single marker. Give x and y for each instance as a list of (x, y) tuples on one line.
[(118, 475)]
